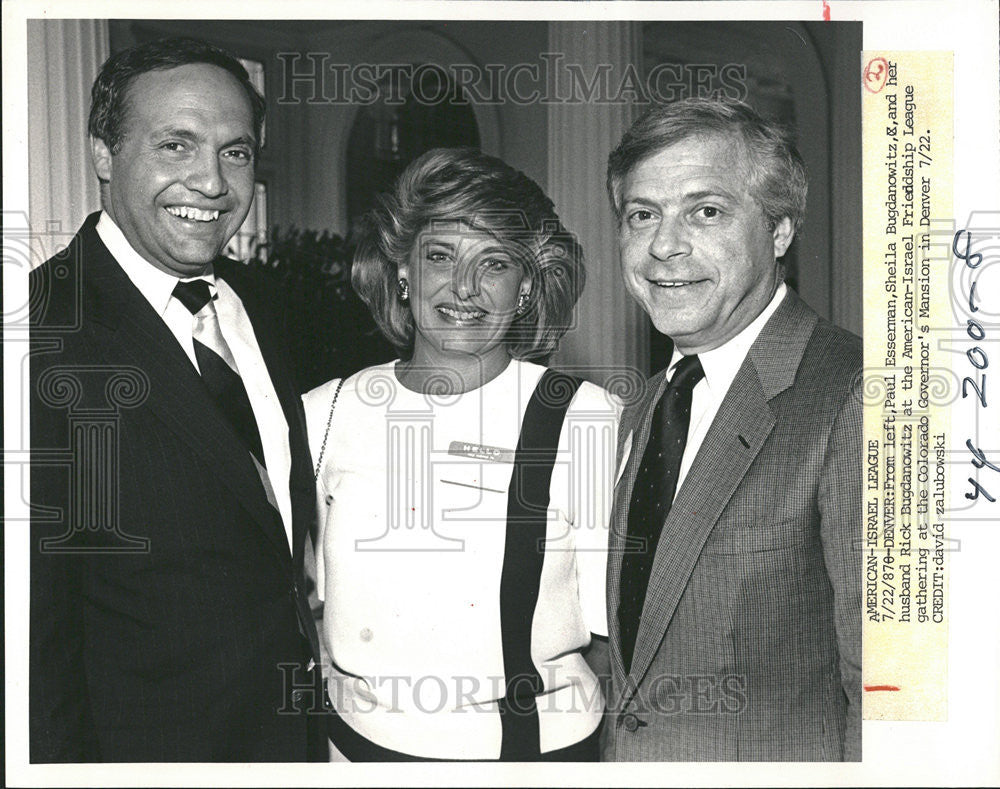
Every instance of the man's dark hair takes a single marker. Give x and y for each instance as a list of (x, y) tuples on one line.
[(109, 96)]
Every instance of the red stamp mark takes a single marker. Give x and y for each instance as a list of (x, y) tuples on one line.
[(876, 73), (870, 688)]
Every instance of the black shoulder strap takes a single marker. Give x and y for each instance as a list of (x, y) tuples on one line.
[(524, 553)]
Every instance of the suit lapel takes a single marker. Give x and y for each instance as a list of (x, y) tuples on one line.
[(720, 465), (177, 395), (301, 483)]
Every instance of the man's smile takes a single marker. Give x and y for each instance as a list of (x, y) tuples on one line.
[(674, 284), (192, 213)]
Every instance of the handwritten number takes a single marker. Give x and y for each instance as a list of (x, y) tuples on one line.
[(980, 457), (966, 256), (979, 389), (977, 489)]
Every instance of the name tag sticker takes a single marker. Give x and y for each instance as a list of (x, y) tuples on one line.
[(467, 449)]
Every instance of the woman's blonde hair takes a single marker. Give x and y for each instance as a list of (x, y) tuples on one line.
[(464, 185)]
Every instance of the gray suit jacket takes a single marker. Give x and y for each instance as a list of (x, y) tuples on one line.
[(749, 645)]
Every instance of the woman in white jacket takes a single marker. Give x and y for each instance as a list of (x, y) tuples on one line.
[(464, 490)]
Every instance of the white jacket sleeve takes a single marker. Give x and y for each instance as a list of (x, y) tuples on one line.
[(317, 407), (593, 418)]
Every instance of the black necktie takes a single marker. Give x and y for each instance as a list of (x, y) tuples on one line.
[(653, 494), (217, 365)]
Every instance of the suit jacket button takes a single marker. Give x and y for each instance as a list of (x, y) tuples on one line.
[(296, 696), (630, 722)]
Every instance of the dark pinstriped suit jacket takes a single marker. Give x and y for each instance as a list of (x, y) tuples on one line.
[(749, 645), (171, 652)]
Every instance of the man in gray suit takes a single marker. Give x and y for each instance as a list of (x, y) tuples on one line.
[(734, 576)]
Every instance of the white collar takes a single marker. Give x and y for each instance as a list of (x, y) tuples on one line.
[(155, 284), (721, 364)]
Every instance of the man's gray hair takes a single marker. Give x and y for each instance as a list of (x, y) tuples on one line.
[(778, 180)]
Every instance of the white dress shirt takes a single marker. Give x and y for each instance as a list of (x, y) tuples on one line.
[(157, 288), (720, 365)]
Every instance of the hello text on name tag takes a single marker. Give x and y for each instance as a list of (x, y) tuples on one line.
[(468, 449)]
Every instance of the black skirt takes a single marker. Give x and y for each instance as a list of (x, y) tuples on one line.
[(360, 749)]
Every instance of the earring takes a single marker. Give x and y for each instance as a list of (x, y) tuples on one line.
[(403, 289), (522, 303)]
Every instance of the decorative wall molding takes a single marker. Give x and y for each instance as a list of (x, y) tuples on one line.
[(64, 56), (611, 330)]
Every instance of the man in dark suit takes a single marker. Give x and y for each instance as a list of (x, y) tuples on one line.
[(734, 575), (171, 486)]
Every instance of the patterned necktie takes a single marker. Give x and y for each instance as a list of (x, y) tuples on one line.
[(653, 494), (217, 365)]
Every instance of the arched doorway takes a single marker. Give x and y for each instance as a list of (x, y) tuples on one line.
[(386, 136)]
